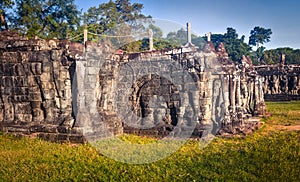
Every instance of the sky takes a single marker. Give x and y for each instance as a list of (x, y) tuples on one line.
[(281, 16)]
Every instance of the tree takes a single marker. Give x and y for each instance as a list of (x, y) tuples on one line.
[(259, 36), (108, 15), (178, 38), (157, 32), (46, 19), (4, 6), (235, 46), (273, 56)]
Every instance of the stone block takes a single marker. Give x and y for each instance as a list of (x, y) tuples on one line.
[(8, 112), (23, 108), (48, 136), (49, 94), (23, 118), (34, 96), (37, 115), (50, 115), (21, 90), (77, 138), (20, 81), (65, 104), (62, 137), (67, 82), (36, 68), (11, 57), (67, 94), (2, 72), (46, 67), (1, 113), (93, 71), (8, 81), (6, 90), (63, 129), (46, 77), (91, 79), (32, 81), (19, 70), (48, 85), (56, 55), (40, 56), (64, 74), (36, 104), (50, 129)]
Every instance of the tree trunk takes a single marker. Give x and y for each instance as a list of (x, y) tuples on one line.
[(3, 21)]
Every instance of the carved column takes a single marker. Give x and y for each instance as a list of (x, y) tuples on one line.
[(232, 92), (226, 99)]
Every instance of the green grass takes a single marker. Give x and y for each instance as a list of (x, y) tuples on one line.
[(267, 155), (284, 113)]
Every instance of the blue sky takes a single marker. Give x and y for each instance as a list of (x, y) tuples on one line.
[(282, 16)]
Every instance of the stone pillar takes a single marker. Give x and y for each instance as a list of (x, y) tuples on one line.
[(238, 98), (226, 99), (251, 94), (238, 91), (258, 97), (232, 90), (151, 47), (189, 33), (85, 35), (208, 36), (282, 59)]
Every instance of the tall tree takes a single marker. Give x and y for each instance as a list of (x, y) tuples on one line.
[(108, 15), (157, 32), (179, 38), (47, 18), (235, 46), (259, 36), (5, 5)]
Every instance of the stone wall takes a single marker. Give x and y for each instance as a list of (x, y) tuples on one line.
[(145, 93), (35, 82), (280, 82), (57, 91)]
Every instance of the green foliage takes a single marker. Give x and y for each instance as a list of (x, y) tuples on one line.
[(107, 16), (143, 45), (46, 19), (179, 38), (235, 47), (259, 35), (269, 154), (159, 43), (5, 5), (157, 32), (273, 56)]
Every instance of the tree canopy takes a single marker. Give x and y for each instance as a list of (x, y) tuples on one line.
[(108, 15), (235, 46), (259, 36), (46, 19), (4, 15), (273, 56)]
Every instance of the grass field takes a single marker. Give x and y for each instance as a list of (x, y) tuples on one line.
[(270, 154)]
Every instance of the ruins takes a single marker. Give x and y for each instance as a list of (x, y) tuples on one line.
[(65, 91), (281, 82)]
